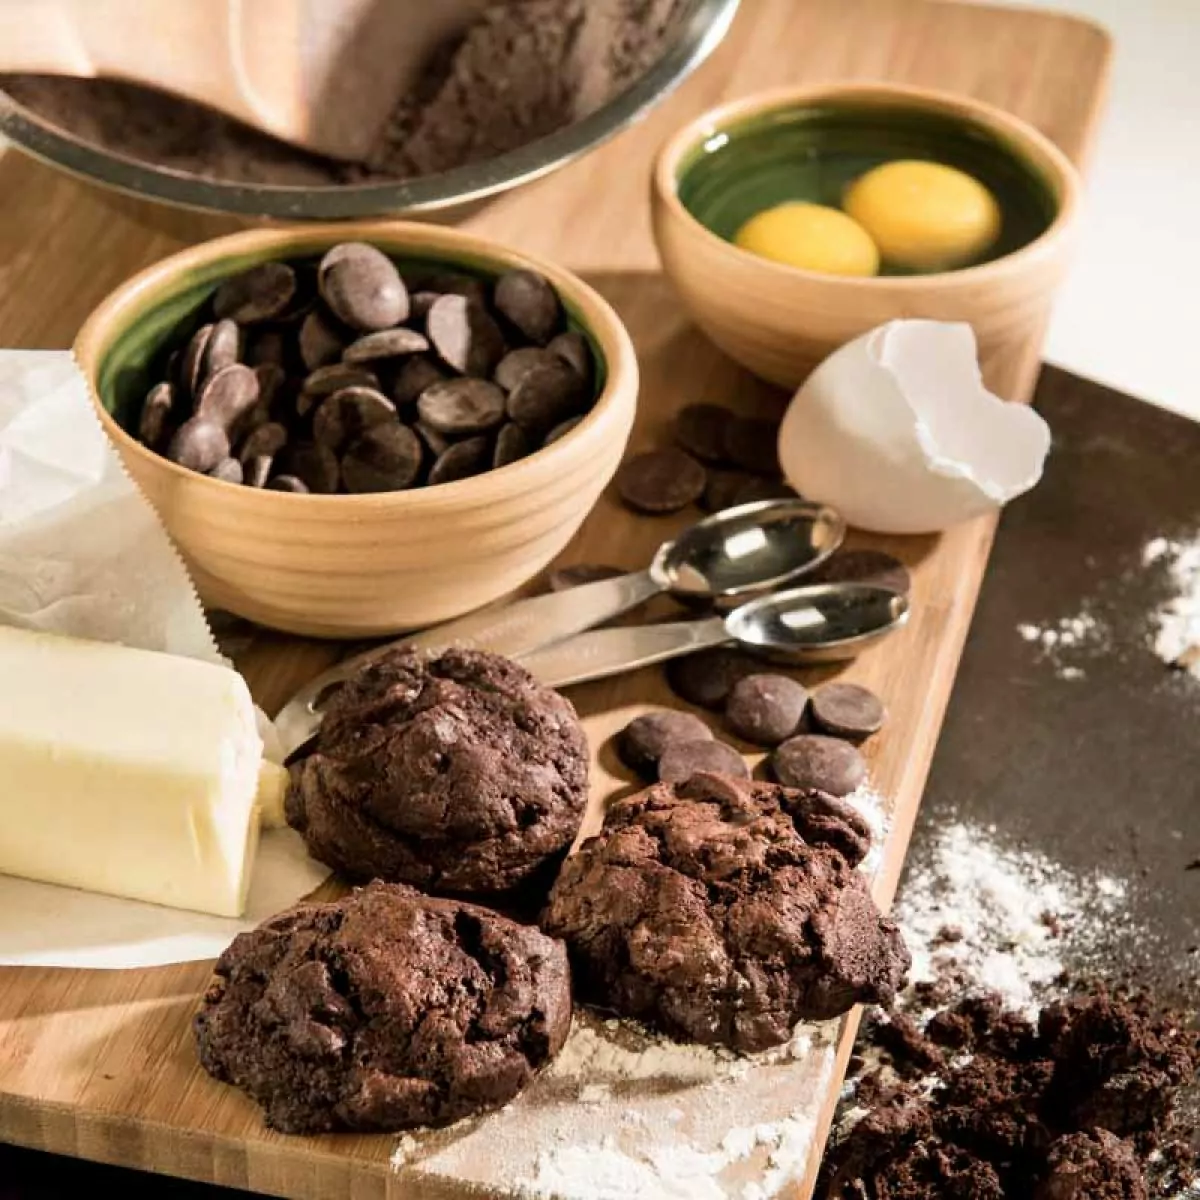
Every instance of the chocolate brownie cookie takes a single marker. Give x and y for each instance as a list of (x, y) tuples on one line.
[(459, 773), (382, 1010), (699, 909)]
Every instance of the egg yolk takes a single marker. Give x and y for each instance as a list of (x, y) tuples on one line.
[(923, 215), (810, 236)]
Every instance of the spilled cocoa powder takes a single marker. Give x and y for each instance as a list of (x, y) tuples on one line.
[(986, 1104), (523, 69)]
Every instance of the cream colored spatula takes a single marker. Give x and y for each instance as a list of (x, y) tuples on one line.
[(323, 74)]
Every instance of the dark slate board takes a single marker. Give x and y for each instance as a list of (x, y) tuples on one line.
[(1099, 771)]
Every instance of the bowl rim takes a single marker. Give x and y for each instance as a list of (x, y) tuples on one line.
[(1061, 175), (122, 308)]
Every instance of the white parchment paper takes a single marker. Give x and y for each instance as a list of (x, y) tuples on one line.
[(83, 553)]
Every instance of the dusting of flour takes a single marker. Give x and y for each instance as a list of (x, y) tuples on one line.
[(1175, 627)]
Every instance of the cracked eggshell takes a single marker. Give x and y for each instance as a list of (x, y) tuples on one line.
[(896, 430)]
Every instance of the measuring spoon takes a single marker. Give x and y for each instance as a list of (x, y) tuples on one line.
[(824, 622), (735, 553)]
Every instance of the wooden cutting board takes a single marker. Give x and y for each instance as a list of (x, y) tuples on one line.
[(100, 1064)]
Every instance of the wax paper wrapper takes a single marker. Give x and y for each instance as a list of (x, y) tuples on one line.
[(83, 553)]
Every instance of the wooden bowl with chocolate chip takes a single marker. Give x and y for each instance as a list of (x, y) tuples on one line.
[(352, 430)]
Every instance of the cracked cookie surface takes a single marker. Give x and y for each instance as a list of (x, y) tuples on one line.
[(383, 1010)]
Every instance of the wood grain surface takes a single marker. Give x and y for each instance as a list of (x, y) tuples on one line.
[(100, 1065)]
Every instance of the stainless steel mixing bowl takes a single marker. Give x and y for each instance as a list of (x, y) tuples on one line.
[(702, 29)]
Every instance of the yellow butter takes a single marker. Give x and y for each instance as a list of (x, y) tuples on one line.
[(127, 772)]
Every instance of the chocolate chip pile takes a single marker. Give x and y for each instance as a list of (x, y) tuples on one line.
[(350, 378), (984, 1105)]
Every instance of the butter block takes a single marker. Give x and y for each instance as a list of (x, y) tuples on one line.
[(127, 772)]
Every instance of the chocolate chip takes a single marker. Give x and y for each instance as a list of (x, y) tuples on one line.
[(324, 381), (512, 444), (199, 444), (413, 377), (256, 471), (228, 469), (320, 341), (707, 678), (315, 465), (765, 709), (560, 431), (461, 460), (227, 395), (722, 488), (348, 414), (645, 739), (266, 346), (437, 443), (572, 347), (546, 395), (386, 458), (465, 335), (419, 304), (271, 380), (682, 760), (758, 489), (865, 566), (259, 294), (512, 367), (527, 301), (222, 348), (811, 760), (191, 365), (385, 343), (265, 441), (824, 819), (752, 444), (287, 483), (462, 406), (362, 287), (660, 481), (453, 283), (562, 579), (847, 710), (700, 430), (155, 419)]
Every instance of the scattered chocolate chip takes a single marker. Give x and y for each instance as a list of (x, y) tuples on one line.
[(362, 287), (229, 470), (457, 407), (546, 394), (560, 431), (847, 710), (287, 483), (385, 458), (385, 343), (227, 395), (512, 367), (465, 335), (562, 579), (700, 430), (155, 420), (320, 341), (681, 760), (312, 463), (660, 481), (413, 377), (527, 301), (259, 294), (765, 709), (460, 461), (752, 444), (645, 739), (707, 678), (349, 413), (512, 444), (812, 760), (864, 566), (199, 444), (572, 347), (265, 441)]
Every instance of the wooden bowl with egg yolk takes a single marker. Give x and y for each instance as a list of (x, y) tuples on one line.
[(811, 144)]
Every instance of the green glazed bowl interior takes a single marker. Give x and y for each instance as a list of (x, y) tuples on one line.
[(136, 356), (814, 152)]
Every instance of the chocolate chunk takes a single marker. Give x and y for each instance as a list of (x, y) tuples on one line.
[(259, 294), (512, 444), (413, 377), (287, 483), (465, 336), (681, 760), (546, 394), (155, 420), (312, 463), (191, 365), (457, 407), (562, 579), (457, 773), (660, 481), (320, 341), (512, 367), (847, 710), (362, 287), (382, 1010), (199, 444), (765, 709), (753, 445), (822, 819), (227, 395), (708, 677), (700, 910), (265, 441), (222, 348), (229, 470), (527, 301), (560, 431), (700, 430), (460, 461), (811, 760), (385, 457), (722, 488), (348, 414), (573, 347), (643, 741), (383, 344), (864, 566)]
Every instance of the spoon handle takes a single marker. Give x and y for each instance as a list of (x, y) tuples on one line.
[(606, 652)]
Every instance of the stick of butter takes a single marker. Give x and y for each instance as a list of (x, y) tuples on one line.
[(127, 772)]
